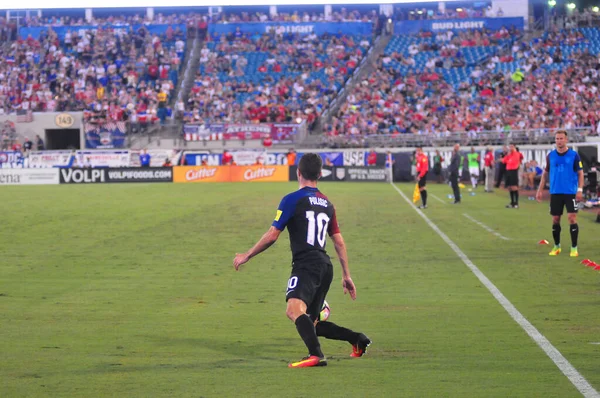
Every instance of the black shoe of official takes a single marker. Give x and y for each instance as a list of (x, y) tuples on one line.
[(360, 347), (422, 207), (456, 202)]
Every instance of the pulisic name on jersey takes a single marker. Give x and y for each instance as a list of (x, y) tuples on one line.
[(314, 201)]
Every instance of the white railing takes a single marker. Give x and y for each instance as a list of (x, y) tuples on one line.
[(518, 137)]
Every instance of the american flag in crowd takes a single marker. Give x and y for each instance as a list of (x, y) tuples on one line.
[(202, 137), (110, 126), (24, 116), (87, 127)]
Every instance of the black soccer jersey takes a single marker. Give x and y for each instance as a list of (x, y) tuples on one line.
[(309, 216)]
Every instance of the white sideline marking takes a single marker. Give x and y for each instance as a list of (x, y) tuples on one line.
[(559, 360), (438, 199), (482, 225)]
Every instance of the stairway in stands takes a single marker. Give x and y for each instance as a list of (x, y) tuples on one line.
[(171, 130), (367, 66)]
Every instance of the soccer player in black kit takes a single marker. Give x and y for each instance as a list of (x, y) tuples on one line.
[(309, 216)]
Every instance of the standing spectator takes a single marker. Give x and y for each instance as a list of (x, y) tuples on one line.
[(389, 164), (27, 145), (501, 166), (162, 104), (291, 157), (39, 142), (145, 158), (17, 146), (489, 169), (454, 170), (372, 158), (437, 166), (227, 159)]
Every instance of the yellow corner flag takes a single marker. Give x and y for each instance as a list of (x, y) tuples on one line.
[(416, 194)]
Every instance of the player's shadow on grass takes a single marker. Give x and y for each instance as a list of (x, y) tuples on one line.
[(252, 349)]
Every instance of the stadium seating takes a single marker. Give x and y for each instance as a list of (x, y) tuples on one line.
[(110, 74), (298, 75), (482, 97)]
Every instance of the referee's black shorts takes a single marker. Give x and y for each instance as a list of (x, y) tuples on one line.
[(559, 201), (512, 178), (423, 181)]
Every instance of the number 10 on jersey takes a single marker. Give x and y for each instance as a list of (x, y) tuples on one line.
[(316, 227)]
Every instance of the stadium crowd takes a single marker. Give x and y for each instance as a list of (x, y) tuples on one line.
[(114, 74), (275, 77), (402, 13), (344, 15), (530, 85), (120, 74)]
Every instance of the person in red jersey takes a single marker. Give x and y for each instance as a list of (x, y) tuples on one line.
[(227, 159), (372, 158), (422, 170), (309, 216)]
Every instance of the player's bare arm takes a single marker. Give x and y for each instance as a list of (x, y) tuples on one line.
[(538, 195), (267, 240), (340, 248), (579, 195)]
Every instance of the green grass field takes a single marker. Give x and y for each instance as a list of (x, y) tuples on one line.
[(128, 291)]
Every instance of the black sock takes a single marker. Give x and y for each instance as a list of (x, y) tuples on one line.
[(512, 198), (516, 198), (424, 197), (306, 330), (556, 234), (330, 330), (574, 228)]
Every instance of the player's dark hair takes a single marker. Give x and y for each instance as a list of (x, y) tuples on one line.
[(310, 166)]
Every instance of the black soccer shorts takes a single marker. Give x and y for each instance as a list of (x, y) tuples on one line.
[(310, 284), (423, 181), (512, 178), (559, 201)]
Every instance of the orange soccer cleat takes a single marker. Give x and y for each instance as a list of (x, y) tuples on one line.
[(360, 348), (308, 362)]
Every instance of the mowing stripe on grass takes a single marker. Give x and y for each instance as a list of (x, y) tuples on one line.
[(482, 225), (559, 360), (438, 199)]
